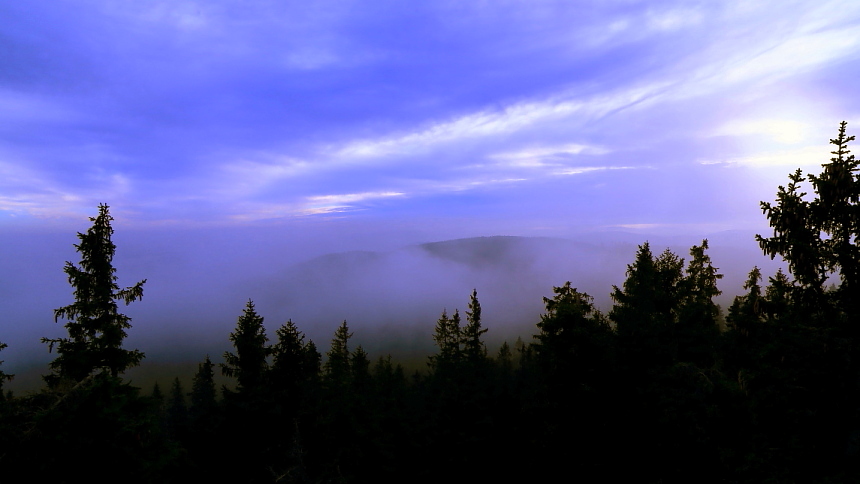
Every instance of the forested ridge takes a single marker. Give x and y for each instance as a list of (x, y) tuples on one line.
[(663, 387)]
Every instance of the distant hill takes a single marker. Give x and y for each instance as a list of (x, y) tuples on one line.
[(404, 291)]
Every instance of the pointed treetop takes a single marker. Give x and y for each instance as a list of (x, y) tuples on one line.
[(96, 328)]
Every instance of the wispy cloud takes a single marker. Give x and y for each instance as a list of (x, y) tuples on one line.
[(346, 198), (805, 157), (271, 110), (541, 156), (783, 131), (588, 169)]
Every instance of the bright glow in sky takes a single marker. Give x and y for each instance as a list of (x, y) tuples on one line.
[(342, 124)]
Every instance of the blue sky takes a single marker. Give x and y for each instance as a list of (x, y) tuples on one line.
[(519, 117), (232, 139)]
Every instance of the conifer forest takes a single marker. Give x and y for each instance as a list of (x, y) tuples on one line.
[(665, 386)]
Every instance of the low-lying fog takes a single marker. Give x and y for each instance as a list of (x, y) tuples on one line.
[(198, 284)]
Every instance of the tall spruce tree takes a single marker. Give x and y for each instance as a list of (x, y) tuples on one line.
[(289, 366), (249, 364), (205, 429), (636, 304), (203, 393), (697, 328), (699, 288), (819, 337), (448, 339), (818, 237), (337, 366), (574, 361), (746, 311), (474, 350), (574, 335), (96, 329)]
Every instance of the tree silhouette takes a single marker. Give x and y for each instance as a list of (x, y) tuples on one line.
[(248, 365), (819, 237), (474, 351), (646, 309), (448, 339), (96, 329), (697, 327), (203, 392), (818, 339), (337, 366), (3, 376)]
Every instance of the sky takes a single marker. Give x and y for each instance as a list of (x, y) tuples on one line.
[(263, 133)]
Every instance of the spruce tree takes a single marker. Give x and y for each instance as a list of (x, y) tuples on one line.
[(448, 339), (818, 237), (289, 367), (360, 367), (312, 361), (96, 329), (573, 337), (203, 392), (637, 298), (505, 360), (205, 432), (247, 410), (248, 365), (575, 361), (699, 288), (645, 309), (474, 350), (337, 365), (746, 311), (817, 312), (697, 327)]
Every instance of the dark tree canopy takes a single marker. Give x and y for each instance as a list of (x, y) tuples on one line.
[(447, 337), (474, 350), (337, 366), (203, 392), (248, 364), (96, 329), (818, 237), (3, 376)]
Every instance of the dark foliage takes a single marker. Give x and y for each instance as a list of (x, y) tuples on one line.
[(96, 329), (656, 391)]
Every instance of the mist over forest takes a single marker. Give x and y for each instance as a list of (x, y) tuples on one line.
[(371, 241), (765, 390), (197, 283)]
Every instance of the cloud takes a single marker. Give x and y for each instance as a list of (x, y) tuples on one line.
[(226, 110), (588, 169), (780, 130), (489, 123), (673, 19), (799, 53), (541, 156), (352, 197), (807, 156)]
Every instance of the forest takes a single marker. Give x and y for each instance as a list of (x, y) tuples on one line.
[(664, 387)]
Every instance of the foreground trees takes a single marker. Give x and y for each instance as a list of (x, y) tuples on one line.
[(249, 363), (96, 328), (656, 387), (87, 410)]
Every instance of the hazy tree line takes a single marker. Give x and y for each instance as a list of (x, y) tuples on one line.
[(665, 387)]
